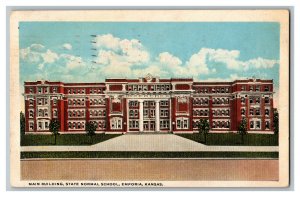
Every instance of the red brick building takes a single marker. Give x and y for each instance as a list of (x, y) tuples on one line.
[(149, 104)]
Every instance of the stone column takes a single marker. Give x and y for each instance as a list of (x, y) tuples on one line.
[(141, 114), (157, 113)]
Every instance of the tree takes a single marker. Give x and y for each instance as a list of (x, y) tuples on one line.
[(276, 121), (22, 126), (242, 129), (203, 128), (54, 128), (90, 129)]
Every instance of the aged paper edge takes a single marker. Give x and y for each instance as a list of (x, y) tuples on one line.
[(281, 16)]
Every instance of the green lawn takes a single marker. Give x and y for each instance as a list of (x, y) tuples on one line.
[(232, 139), (66, 139), (118, 154)]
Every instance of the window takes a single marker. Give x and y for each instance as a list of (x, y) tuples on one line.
[(116, 123), (251, 112), (257, 125), (206, 113), (251, 124), (152, 112), (31, 126), (178, 124), (227, 101), (267, 88), (146, 112), (163, 103), (131, 113), (243, 112), (30, 101), (227, 112), (267, 100), (185, 124), (182, 123), (251, 88), (55, 90), (243, 88), (257, 88), (54, 101), (39, 90), (206, 101), (257, 111), (40, 125), (164, 113), (214, 124), (46, 112), (46, 125), (30, 113), (267, 125), (55, 113), (257, 100), (41, 114), (243, 100), (145, 88), (223, 112), (164, 124), (251, 100), (227, 124), (267, 112), (133, 124), (30, 90)]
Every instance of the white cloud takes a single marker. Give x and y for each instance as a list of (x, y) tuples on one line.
[(118, 57), (28, 56), (31, 54), (134, 51), (106, 57), (230, 58), (49, 56), (117, 69), (72, 61), (261, 63), (169, 59), (107, 41), (115, 50), (67, 46)]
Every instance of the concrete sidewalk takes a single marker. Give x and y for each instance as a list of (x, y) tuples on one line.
[(151, 142)]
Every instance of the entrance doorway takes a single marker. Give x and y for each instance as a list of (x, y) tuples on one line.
[(149, 125)]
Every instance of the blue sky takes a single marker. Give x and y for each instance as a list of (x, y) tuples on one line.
[(66, 51)]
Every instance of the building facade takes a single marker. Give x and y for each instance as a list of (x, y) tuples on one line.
[(149, 104)]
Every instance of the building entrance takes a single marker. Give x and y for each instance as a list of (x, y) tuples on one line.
[(149, 125)]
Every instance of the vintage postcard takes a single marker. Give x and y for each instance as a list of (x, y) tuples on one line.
[(149, 98)]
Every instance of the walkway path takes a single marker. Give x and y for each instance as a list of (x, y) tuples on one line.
[(151, 142)]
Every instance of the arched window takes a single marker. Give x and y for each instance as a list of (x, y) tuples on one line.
[(41, 113), (223, 100), (267, 100)]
